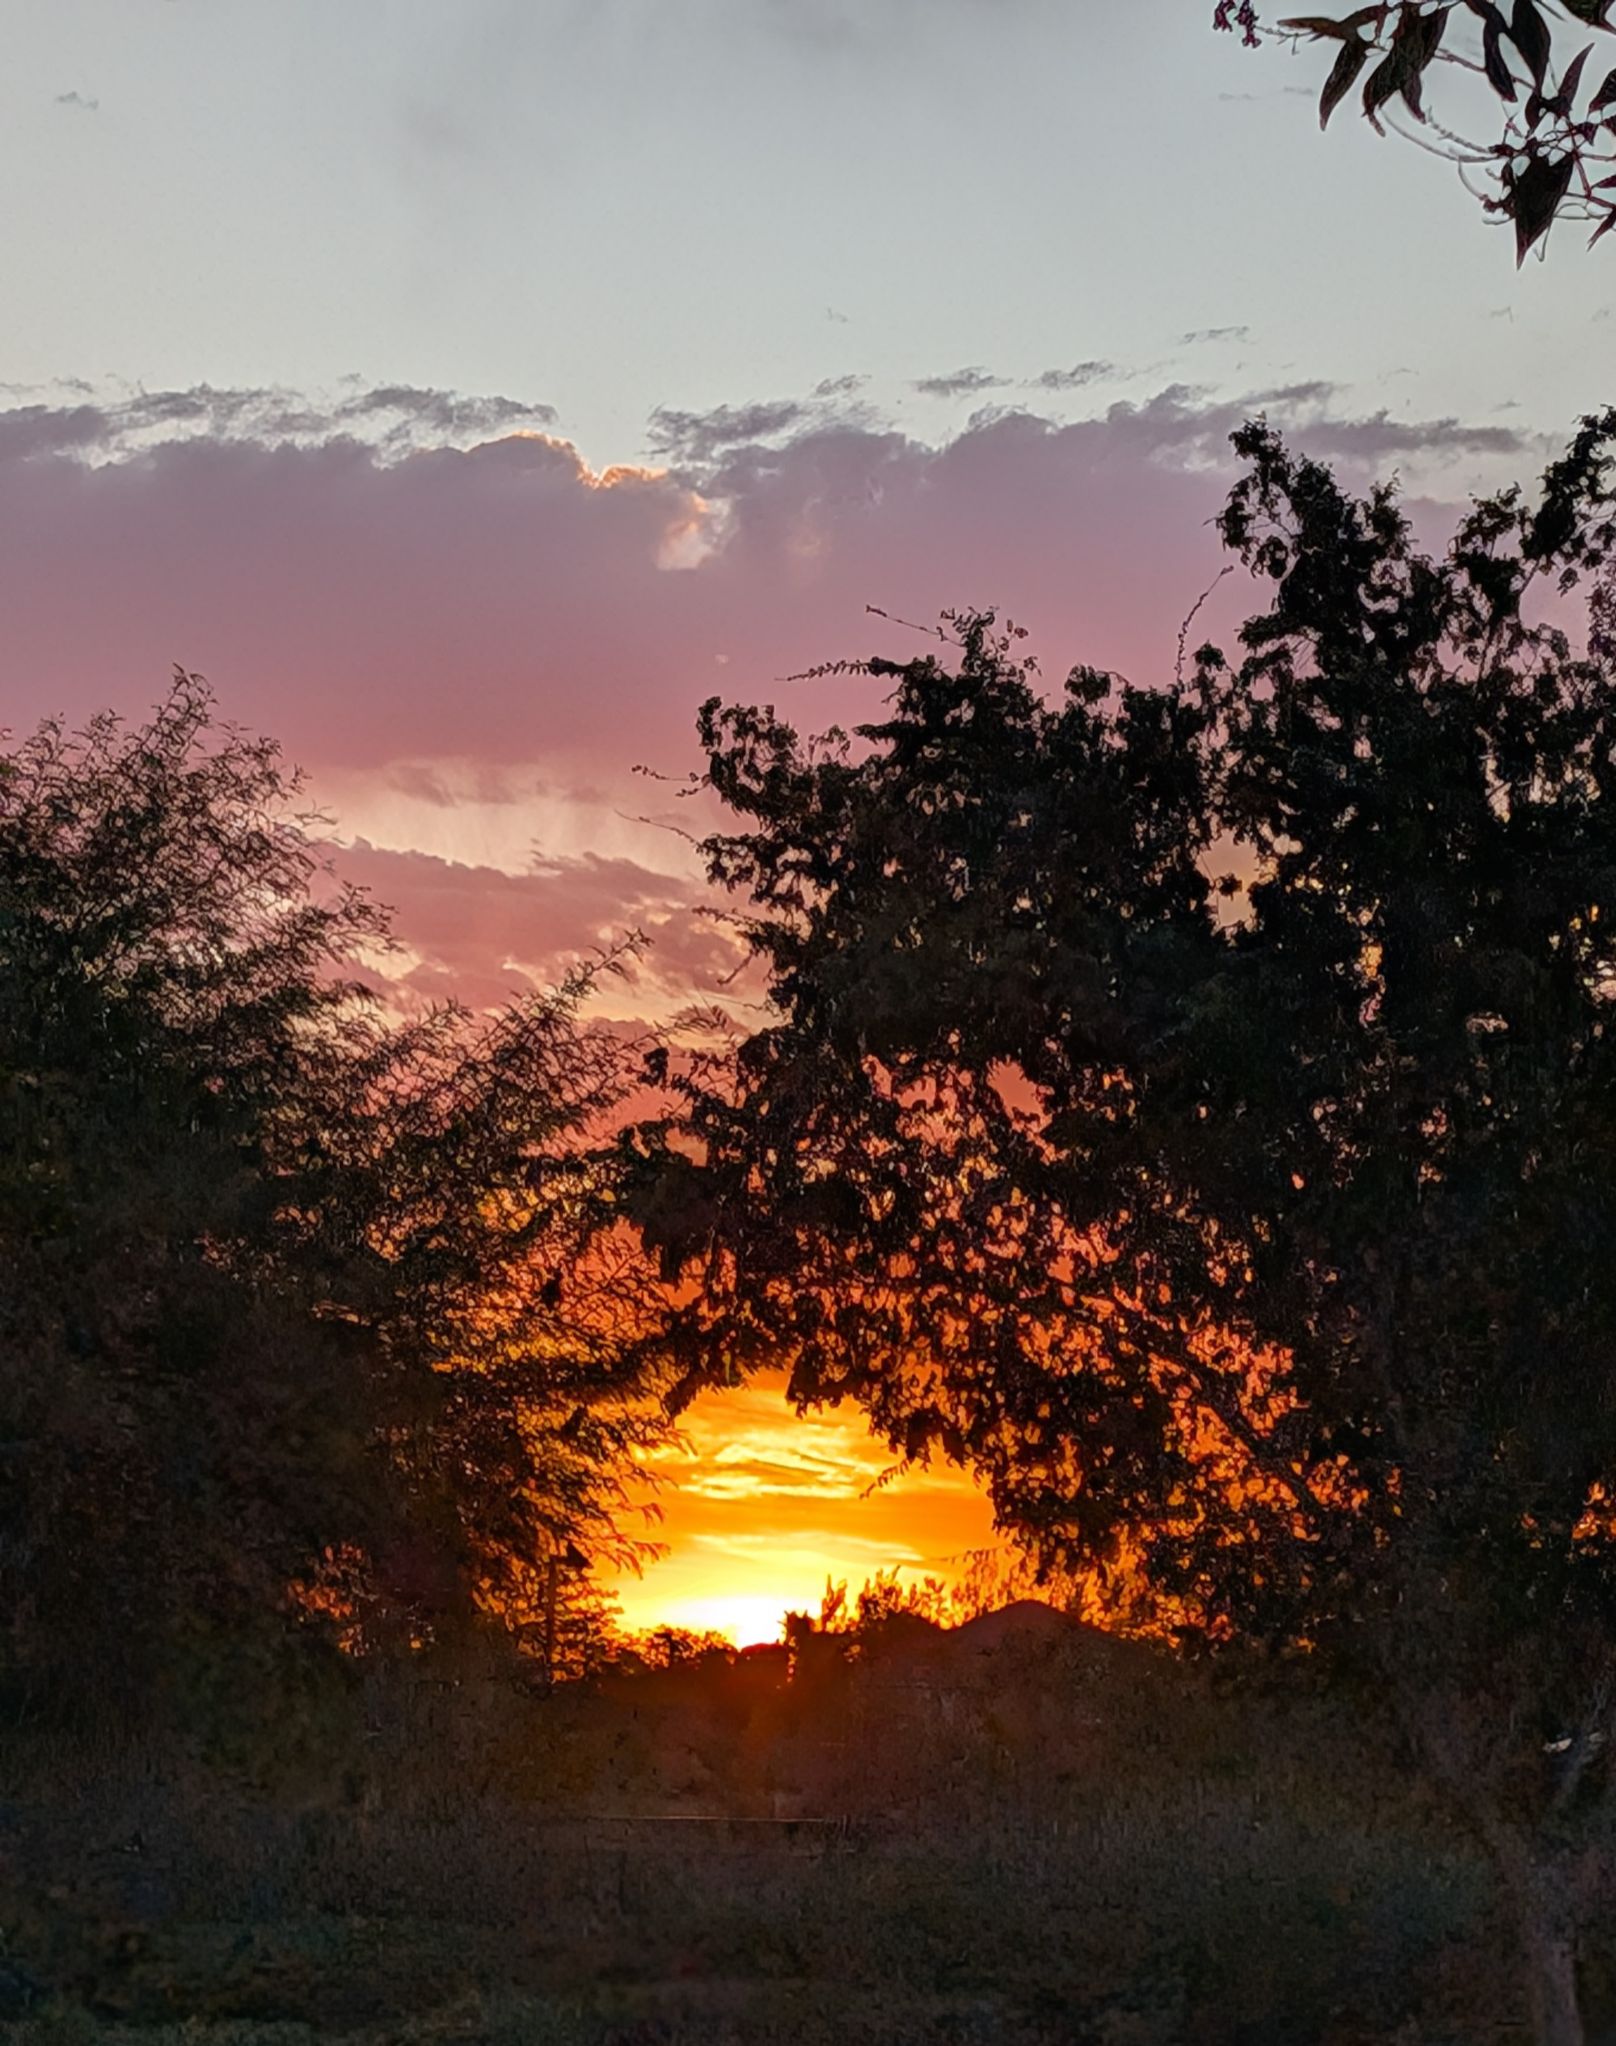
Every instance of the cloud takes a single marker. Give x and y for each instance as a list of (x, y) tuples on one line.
[(487, 936), (392, 419), (700, 436), (355, 579), (1199, 334), (80, 100), (1075, 378), (959, 383)]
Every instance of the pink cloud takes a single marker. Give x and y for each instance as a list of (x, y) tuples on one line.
[(391, 597), (382, 601), (485, 936)]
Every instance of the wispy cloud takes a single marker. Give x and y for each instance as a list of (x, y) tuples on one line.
[(959, 383), (82, 101), (699, 436), (1197, 335), (1074, 379), (483, 935), (390, 419)]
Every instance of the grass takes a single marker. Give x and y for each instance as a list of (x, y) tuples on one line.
[(1099, 1853)]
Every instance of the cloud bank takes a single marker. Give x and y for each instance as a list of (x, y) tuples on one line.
[(441, 608)]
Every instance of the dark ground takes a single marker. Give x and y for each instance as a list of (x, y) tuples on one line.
[(1025, 1835)]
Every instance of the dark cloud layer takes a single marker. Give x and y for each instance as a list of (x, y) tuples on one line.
[(700, 436)]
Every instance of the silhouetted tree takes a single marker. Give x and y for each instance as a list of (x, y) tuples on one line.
[(292, 1292), (1194, 1107), (1555, 152)]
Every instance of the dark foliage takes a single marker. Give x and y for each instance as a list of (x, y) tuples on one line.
[(1555, 153), (291, 1294), (1194, 1107)]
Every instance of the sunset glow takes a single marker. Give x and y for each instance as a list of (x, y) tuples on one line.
[(556, 428), (761, 1507)]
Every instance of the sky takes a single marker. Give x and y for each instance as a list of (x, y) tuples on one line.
[(471, 387)]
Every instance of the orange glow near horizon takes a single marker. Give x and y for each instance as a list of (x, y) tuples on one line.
[(762, 1505)]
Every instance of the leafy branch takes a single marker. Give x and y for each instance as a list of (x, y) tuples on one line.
[(1554, 157)]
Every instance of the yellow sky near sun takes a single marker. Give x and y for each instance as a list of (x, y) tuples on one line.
[(762, 1505), (759, 1505)]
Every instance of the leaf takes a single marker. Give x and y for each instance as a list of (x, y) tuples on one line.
[(1605, 96), (1343, 73), (1529, 32), (1603, 228), (1421, 33), (1327, 25), (1383, 83), (1595, 12), (1570, 79), (1499, 75), (1413, 47), (1535, 194)]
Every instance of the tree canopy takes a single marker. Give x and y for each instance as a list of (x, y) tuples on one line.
[(1194, 1107), (1530, 69), (300, 1333)]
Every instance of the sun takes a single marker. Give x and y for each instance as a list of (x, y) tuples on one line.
[(746, 1617)]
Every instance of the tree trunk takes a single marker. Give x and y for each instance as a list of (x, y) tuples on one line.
[(1549, 1936)]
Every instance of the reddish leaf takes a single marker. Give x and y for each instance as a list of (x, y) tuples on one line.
[(1529, 32), (1499, 75), (1603, 228), (1534, 198), (1382, 84), (1343, 72), (1421, 33), (1570, 79), (1605, 96), (1413, 47), (1595, 12)]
